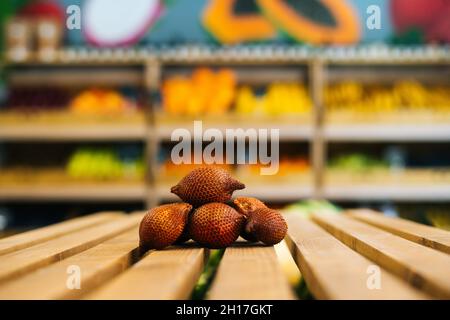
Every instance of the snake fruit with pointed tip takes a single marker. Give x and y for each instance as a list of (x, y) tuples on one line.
[(245, 206), (205, 185)]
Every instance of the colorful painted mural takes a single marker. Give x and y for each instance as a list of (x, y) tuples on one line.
[(229, 22)]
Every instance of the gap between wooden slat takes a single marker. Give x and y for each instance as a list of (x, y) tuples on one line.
[(161, 275), (435, 238), (334, 271), (18, 263), (30, 238), (250, 272), (96, 265), (425, 268)]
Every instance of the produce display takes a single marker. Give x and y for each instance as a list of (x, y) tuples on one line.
[(357, 162), (437, 215), (280, 98), (205, 92), (104, 164), (29, 99), (439, 218), (307, 207), (408, 97), (209, 92), (207, 218), (54, 105), (85, 164), (291, 168), (288, 165), (360, 168), (101, 102)]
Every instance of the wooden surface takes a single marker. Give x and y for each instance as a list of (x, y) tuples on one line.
[(339, 257), (423, 267), (77, 77), (30, 238), (250, 272), (97, 265), (72, 132), (20, 262), (425, 235), (387, 132), (112, 192), (334, 271), (382, 192), (162, 274)]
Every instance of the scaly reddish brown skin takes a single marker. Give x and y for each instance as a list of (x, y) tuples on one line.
[(266, 225), (245, 206), (163, 225), (207, 184), (216, 225)]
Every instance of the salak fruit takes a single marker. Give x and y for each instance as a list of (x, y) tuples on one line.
[(163, 225), (216, 225), (205, 185)]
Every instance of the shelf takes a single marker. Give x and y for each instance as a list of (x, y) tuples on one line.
[(435, 193), (76, 77), (388, 132), (258, 54), (291, 127), (73, 132), (251, 76), (81, 192), (272, 193), (388, 73)]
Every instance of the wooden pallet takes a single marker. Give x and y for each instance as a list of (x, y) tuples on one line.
[(340, 257)]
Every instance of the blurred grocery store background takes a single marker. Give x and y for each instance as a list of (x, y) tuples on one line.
[(90, 92)]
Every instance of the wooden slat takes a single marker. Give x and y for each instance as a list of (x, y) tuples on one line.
[(250, 272), (97, 265), (72, 132), (30, 238), (161, 275), (76, 77), (425, 268), (18, 263), (425, 235), (90, 192), (334, 271)]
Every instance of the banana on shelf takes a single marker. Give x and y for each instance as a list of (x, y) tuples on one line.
[(279, 98), (407, 96), (209, 92)]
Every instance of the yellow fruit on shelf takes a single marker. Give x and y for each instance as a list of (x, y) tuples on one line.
[(402, 96), (246, 101), (98, 102)]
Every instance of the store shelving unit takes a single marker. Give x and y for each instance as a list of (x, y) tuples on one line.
[(75, 132), (100, 192), (406, 193), (255, 65), (388, 132)]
